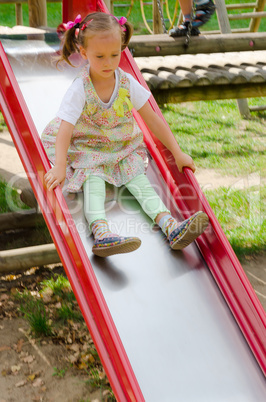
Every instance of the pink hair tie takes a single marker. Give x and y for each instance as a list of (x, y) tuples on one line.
[(86, 24), (121, 22), (71, 24)]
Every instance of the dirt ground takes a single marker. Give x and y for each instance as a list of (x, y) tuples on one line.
[(42, 369), (28, 369), (61, 367)]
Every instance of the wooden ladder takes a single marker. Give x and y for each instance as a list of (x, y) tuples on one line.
[(224, 24)]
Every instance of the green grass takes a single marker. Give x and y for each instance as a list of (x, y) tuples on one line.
[(2, 123), (35, 313), (9, 198), (8, 14), (216, 136), (54, 12), (66, 312), (60, 286), (242, 215)]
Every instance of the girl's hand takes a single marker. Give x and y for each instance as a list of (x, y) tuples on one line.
[(55, 177), (184, 160)]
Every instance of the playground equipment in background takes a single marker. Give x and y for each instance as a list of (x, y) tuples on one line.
[(154, 26), (38, 13)]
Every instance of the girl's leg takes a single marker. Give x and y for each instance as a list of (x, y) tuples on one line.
[(106, 243), (179, 235)]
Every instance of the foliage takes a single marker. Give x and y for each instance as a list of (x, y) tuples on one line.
[(242, 215), (217, 137), (54, 15), (35, 313), (9, 198)]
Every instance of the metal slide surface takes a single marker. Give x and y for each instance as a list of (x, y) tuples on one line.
[(179, 336)]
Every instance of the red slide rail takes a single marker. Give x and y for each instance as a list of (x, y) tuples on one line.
[(213, 245)]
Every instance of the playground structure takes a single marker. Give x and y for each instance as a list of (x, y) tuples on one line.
[(38, 13), (135, 305)]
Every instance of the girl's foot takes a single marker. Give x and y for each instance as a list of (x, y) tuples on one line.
[(115, 245), (107, 243), (188, 231)]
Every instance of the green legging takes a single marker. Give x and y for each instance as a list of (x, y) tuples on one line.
[(139, 187)]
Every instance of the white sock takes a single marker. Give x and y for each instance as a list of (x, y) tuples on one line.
[(100, 230), (167, 223)]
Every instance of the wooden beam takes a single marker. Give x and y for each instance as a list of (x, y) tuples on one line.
[(37, 13), (212, 92), (16, 220), (255, 22), (19, 14), (157, 23), (24, 258), (163, 45), (240, 6), (225, 28), (245, 16)]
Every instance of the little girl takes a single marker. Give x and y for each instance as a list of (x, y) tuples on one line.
[(94, 139)]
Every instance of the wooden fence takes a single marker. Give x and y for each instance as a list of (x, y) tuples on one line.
[(37, 11)]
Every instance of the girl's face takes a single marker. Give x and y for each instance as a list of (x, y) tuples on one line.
[(103, 53)]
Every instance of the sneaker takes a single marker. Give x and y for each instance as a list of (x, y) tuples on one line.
[(204, 13), (182, 30), (115, 245), (188, 231)]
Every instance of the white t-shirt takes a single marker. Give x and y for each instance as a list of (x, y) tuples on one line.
[(74, 100)]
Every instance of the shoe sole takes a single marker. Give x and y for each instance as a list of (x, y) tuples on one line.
[(126, 247), (200, 221)]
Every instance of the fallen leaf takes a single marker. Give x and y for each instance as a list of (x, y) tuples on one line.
[(31, 377), (20, 383), (15, 369), (5, 347), (72, 359), (102, 374), (46, 295), (19, 345), (75, 347), (91, 358), (28, 359), (69, 339), (4, 297), (38, 383), (82, 365)]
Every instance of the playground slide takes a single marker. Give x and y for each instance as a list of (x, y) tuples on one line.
[(168, 326)]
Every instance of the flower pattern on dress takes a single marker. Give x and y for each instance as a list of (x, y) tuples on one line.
[(103, 143)]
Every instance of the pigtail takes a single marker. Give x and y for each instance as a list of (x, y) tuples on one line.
[(70, 46), (127, 34)]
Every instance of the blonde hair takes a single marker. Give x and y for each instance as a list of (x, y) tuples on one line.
[(90, 26)]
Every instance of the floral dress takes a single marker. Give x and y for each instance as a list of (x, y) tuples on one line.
[(105, 142)]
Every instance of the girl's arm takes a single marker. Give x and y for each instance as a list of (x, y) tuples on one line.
[(164, 134), (56, 176)]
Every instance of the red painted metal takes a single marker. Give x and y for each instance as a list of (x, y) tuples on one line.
[(213, 245), (71, 8)]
